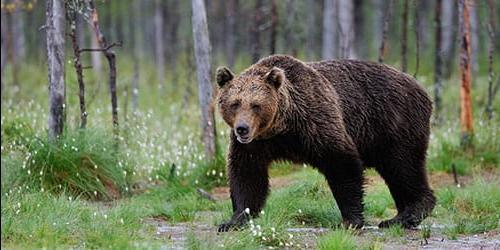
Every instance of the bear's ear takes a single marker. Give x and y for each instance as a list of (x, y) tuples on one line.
[(223, 75), (275, 77)]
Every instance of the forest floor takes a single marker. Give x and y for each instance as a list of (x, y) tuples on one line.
[(203, 232)]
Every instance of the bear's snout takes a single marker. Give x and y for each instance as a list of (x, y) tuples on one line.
[(242, 132)]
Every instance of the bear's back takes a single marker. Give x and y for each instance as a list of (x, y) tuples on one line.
[(379, 103)]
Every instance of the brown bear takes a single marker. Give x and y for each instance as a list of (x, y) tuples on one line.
[(339, 116)]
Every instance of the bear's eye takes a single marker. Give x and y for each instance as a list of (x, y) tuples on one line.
[(255, 107), (235, 105)]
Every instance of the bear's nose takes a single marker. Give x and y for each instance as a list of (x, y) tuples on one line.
[(242, 129)]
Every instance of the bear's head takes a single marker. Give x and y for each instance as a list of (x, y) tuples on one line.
[(248, 103)]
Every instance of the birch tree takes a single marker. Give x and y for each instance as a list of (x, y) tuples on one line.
[(465, 72), (329, 47), (346, 24), (55, 28), (159, 44), (202, 54)]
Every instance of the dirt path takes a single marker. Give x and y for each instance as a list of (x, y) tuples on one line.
[(177, 234)]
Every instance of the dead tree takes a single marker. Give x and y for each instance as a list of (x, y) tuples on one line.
[(329, 47), (465, 73), (55, 28), (205, 92), (404, 42), (72, 8), (388, 14), (106, 49), (437, 62), (491, 49)]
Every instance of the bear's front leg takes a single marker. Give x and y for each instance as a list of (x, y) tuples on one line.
[(344, 174), (249, 186)]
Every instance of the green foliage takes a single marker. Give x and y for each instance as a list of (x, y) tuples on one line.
[(82, 163), (473, 209), (337, 239), (445, 149)]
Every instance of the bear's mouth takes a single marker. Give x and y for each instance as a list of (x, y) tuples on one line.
[(244, 139)]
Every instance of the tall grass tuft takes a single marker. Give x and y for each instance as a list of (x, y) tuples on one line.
[(338, 239), (84, 163)]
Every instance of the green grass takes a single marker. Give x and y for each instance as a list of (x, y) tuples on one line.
[(470, 210), (338, 239)]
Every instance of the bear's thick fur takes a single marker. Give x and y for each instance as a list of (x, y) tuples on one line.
[(338, 116)]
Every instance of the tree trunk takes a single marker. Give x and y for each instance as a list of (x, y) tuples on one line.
[(18, 33), (72, 20), (311, 31), (360, 45), (346, 24), (202, 54), (388, 14), (159, 45), (417, 38), (174, 19), (404, 39), (96, 57), (111, 58), (55, 28), (448, 36), (255, 36), (231, 7), (422, 24), (379, 9), (474, 36), (3, 53), (290, 33), (465, 73), (136, 49), (437, 63), (491, 50), (329, 50), (274, 24)]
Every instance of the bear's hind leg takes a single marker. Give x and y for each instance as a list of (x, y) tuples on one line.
[(404, 173)]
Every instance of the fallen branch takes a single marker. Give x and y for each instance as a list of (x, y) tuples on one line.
[(205, 194)]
